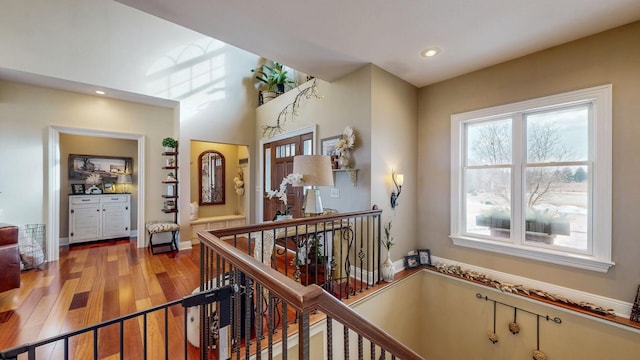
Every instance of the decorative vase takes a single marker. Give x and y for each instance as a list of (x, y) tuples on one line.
[(387, 268), (344, 161), (284, 217)]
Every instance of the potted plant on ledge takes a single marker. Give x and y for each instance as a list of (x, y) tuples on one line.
[(312, 271), (275, 79)]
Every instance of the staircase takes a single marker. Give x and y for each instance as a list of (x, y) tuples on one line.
[(254, 302)]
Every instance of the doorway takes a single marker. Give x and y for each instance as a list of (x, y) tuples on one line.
[(277, 162), (54, 190)]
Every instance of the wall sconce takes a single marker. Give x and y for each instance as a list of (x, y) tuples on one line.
[(398, 180)]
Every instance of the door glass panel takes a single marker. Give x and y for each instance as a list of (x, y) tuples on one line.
[(307, 147), (267, 168)]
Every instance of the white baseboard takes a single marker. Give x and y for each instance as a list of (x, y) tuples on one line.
[(64, 241), (184, 245), (621, 308)]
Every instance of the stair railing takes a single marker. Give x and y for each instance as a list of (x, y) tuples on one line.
[(270, 296)]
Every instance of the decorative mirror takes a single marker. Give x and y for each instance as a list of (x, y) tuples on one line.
[(211, 165)]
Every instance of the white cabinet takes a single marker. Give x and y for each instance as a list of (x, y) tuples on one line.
[(97, 217)]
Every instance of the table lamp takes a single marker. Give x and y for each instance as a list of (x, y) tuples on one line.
[(315, 171), (124, 179)]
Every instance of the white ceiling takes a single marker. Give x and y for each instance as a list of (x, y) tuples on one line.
[(331, 38)]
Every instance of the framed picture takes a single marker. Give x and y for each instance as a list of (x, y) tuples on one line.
[(329, 145), (77, 189), (411, 261), (108, 167), (329, 149), (425, 256)]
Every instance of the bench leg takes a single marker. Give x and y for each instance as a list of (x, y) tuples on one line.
[(151, 243), (173, 245)]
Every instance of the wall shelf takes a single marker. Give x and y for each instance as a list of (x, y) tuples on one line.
[(353, 175), (170, 198)]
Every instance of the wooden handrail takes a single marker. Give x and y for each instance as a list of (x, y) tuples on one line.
[(305, 298), (312, 220), (302, 298)]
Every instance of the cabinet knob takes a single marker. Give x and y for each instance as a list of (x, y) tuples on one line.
[(72, 211), (126, 208), (98, 210)]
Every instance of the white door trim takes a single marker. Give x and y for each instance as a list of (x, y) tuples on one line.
[(54, 173), (260, 188)]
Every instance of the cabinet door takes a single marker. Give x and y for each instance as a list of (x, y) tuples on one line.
[(84, 223), (116, 220)]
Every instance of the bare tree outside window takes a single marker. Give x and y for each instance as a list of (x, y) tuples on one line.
[(552, 149)]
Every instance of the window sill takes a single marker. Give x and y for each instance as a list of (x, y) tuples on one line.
[(550, 256)]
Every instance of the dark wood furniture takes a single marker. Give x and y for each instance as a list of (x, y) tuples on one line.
[(9, 258)]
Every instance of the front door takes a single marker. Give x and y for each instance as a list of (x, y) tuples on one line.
[(278, 163)]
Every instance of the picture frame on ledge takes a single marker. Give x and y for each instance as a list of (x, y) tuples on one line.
[(425, 257), (77, 189), (411, 262)]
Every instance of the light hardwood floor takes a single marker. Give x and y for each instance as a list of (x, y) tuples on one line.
[(93, 283)]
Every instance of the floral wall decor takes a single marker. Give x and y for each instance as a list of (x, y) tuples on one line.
[(346, 143), (238, 182)]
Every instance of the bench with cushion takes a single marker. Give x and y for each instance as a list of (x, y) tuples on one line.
[(162, 227)]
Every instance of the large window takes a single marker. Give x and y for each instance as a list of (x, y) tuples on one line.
[(533, 179)]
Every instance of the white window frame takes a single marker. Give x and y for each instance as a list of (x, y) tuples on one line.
[(600, 142)]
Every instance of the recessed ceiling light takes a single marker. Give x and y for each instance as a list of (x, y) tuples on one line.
[(430, 52), (99, 92)]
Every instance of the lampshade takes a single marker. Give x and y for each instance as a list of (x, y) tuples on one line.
[(315, 170), (124, 179)]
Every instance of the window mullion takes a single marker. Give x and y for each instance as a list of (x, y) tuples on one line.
[(518, 178)]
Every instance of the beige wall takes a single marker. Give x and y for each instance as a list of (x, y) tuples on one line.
[(440, 318), (605, 58), (27, 112), (92, 145), (394, 133), (397, 309), (346, 101), (383, 111), (454, 325)]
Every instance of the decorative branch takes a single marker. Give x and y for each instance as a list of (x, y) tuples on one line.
[(291, 110)]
